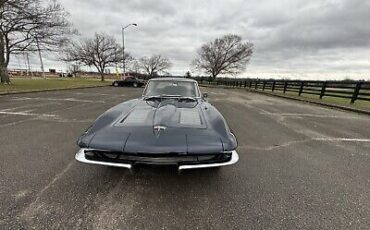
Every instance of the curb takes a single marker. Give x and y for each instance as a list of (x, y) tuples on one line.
[(50, 90), (324, 104)]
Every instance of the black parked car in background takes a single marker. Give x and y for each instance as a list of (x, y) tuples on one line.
[(130, 81)]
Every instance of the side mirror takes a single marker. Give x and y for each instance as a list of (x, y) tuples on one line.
[(205, 95)]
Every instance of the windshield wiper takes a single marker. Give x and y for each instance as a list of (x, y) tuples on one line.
[(179, 97), (187, 98), (161, 96), (170, 95), (152, 97)]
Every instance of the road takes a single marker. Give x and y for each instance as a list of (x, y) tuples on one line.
[(301, 167)]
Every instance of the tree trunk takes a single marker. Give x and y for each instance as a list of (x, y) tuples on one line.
[(102, 77), (4, 76), (100, 71)]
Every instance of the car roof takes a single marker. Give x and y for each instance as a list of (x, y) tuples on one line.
[(172, 79)]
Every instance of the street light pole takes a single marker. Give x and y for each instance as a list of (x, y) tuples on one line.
[(123, 52), (41, 62), (123, 47)]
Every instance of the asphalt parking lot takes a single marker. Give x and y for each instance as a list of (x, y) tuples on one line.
[(301, 167)]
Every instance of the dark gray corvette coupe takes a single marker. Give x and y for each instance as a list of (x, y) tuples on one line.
[(171, 124)]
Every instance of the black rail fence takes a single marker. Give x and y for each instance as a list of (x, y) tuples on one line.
[(351, 90)]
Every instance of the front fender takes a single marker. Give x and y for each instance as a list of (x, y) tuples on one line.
[(104, 120), (220, 126)]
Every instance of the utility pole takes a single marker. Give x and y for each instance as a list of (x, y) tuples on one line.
[(42, 64), (28, 64)]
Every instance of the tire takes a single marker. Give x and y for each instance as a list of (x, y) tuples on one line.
[(135, 85), (115, 84)]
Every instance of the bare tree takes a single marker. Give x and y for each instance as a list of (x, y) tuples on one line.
[(133, 66), (154, 64), (74, 69), (27, 25), (225, 55), (101, 51)]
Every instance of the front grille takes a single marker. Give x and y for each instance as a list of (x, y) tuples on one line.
[(147, 158)]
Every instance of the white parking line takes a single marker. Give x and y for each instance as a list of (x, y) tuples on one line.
[(27, 113), (341, 139), (56, 99)]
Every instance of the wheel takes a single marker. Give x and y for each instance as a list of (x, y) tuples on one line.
[(135, 85), (115, 84)]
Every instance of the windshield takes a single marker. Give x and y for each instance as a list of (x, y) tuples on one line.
[(178, 88)]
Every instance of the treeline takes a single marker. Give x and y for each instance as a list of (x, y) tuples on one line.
[(209, 79), (40, 25)]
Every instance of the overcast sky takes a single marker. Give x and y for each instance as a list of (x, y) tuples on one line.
[(293, 38)]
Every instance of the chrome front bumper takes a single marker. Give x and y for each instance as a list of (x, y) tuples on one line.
[(80, 156)]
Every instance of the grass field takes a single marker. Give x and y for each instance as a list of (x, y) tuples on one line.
[(27, 85), (359, 104), (332, 100)]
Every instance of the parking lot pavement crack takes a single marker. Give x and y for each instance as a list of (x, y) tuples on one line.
[(15, 123), (37, 205), (116, 207), (276, 146), (318, 139), (51, 116)]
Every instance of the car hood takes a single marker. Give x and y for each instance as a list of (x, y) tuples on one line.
[(159, 127), (169, 113)]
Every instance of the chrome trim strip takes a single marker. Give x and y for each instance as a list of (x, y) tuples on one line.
[(80, 156), (234, 159)]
